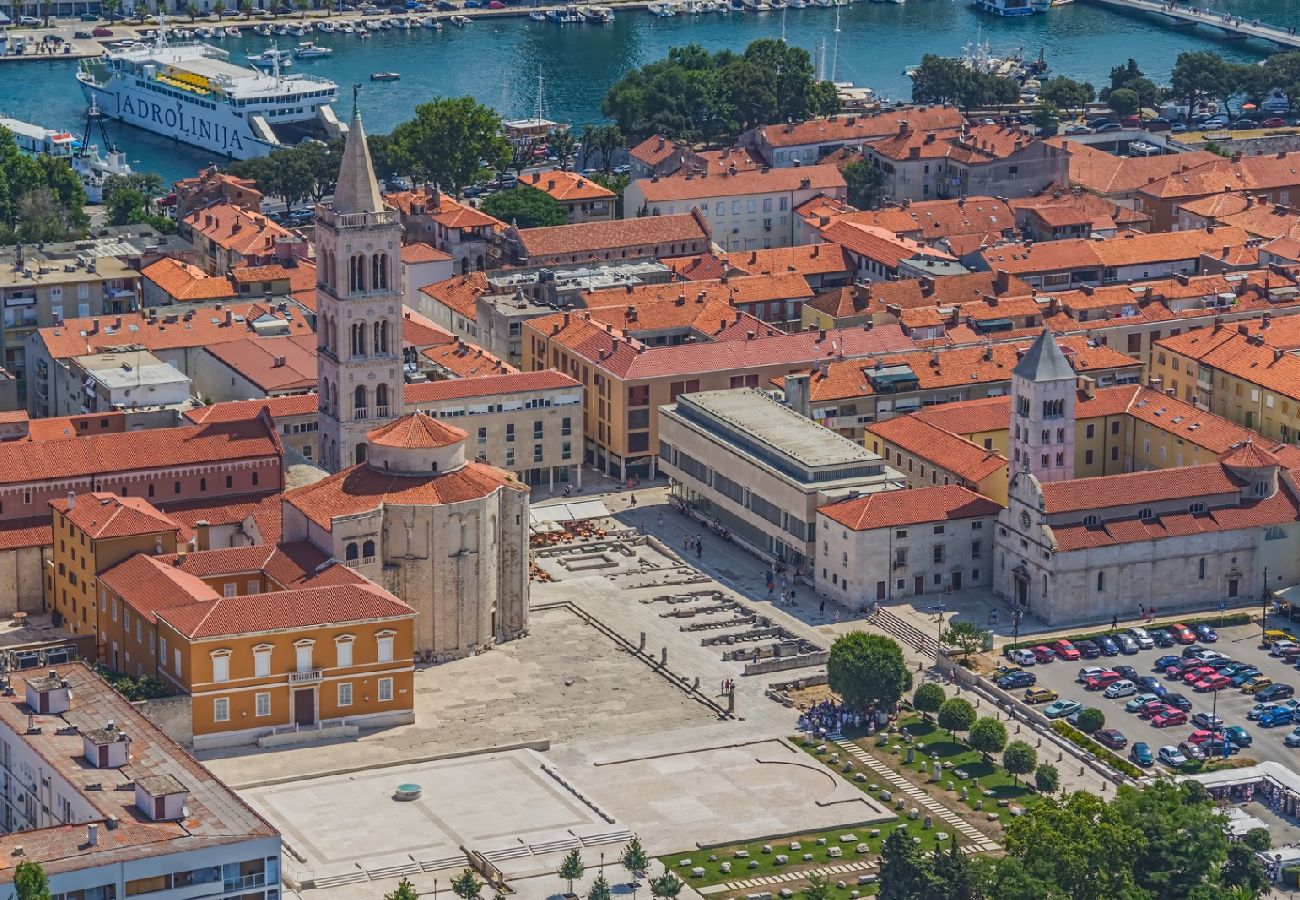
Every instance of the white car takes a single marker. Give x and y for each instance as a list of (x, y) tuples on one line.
[(1087, 672), (28, 20), (1119, 689), (1171, 756), (1144, 640), (1280, 647), (1022, 657)]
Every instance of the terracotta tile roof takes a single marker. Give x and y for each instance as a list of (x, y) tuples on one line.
[(251, 274), (1212, 207), (35, 531), (1131, 248), (973, 145), (362, 489), (1103, 173), (718, 162), (237, 230), (459, 293), (420, 252), (259, 361), (459, 359), (948, 291), (1248, 173), (822, 206), (100, 454), (878, 244), (204, 327), (713, 317), (1247, 454), (449, 212), (736, 290), (679, 187), (566, 187), (285, 406), (420, 332), (416, 431), (302, 608), (963, 458), (653, 150), (1265, 221), (184, 282), (1131, 488), (861, 126), (702, 267), (1239, 355), (628, 358), (292, 565), (149, 585), (489, 386), (931, 220), (587, 237), (219, 511), (893, 509), (809, 260), (844, 302), (102, 515)]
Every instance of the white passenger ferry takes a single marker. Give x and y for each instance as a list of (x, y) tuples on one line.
[(192, 92)]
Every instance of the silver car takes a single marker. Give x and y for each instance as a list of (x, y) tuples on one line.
[(1144, 640)]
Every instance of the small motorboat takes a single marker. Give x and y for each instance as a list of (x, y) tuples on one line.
[(402, 23), (311, 50), (326, 27), (537, 16), (460, 21), (203, 32), (601, 15), (262, 28), (232, 31), (268, 59), (384, 76)]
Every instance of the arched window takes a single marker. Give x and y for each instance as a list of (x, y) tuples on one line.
[(1146, 514), (464, 266), (1091, 521), (360, 453), (383, 330), (375, 332), (350, 553), (1261, 488), (381, 399), (368, 550), (1200, 569), (479, 263), (359, 400), (1101, 581)]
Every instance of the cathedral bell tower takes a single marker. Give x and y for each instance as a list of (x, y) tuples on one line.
[(1043, 395), (358, 309)]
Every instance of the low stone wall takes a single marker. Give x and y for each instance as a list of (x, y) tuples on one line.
[(784, 663), (172, 715)]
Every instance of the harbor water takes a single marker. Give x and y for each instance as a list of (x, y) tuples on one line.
[(497, 60)]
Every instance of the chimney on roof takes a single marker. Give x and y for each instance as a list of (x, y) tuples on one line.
[(1278, 353), (988, 352), (92, 834), (914, 152), (929, 137), (903, 126), (1243, 329), (1001, 281), (230, 317)]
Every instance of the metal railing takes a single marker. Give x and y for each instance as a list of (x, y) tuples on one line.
[(311, 676)]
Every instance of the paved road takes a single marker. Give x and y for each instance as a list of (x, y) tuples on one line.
[(1240, 643)]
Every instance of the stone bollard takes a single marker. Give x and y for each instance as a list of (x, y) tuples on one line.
[(911, 754), (1081, 768), (924, 768), (929, 823), (1040, 742), (1060, 755), (641, 646), (663, 657), (965, 794)]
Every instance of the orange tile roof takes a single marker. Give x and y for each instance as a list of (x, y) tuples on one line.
[(182, 281), (294, 609), (362, 489), (932, 220), (1242, 356), (34, 531), (1131, 248), (861, 126), (284, 406), (878, 244), (1247, 173), (420, 332), (102, 515), (1103, 173), (249, 274), (263, 509), (259, 361), (737, 291), (707, 315), (235, 229), (653, 150), (416, 431), (291, 565), (1131, 488), (566, 187), (489, 386), (149, 585), (973, 146), (844, 303), (204, 327), (893, 509), (420, 252), (449, 212), (679, 187), (947, 451), (459, 293), (464, 360), (587, 237)]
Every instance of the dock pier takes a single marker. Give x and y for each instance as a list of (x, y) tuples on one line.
[(1232, 26)]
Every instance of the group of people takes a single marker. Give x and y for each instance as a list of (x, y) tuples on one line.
[(827, 717), (786, 597), (693, 542)]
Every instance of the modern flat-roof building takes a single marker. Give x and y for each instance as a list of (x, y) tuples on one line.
[(761, 470), (110, 807)]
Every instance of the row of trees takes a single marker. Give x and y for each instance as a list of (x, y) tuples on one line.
[(306, 171), (941, 79), (695, 95), (41, 198)]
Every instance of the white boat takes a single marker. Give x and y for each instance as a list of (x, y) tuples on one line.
[(537, 15), (384, 76), (601, 15), (372, 25), (460, 21), (311, 50), (757, 6), (402, 22), (693, 7), (232, 31), (430, 22), (1041, 5), (1004, 8), (567, 16), (662, 9), (203, 31), (797, 4), (192, 93), (262, 28), (271, 58), (300, 29)]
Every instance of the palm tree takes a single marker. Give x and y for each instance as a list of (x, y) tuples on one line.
[(303, 6), (328, 6), (246, 8), (192, 10), (112, 8), (47, 10), (220, 9)]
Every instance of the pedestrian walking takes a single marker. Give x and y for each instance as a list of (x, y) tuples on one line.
[(821, 608), (1141, 611), (634, 499), (1114, 622), (659, 520), (699, 548)]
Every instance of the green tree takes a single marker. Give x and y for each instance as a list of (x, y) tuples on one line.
[(1018, 759), (1090, 719), (466, 885), (599, 889), (956, 715), (666, 886), (30, 882), (521, 157), (1046, 779), (526, 207), (955, 874), (1182, 844), (867, 670), (452, 141), (1242, 869), (1047, 117), (818, 889), (905, 872), (572, 867), (112, 9), (404, 891), (1201, 75), (245, 8), (561, 143), (1258, 839), (968, 637), (941, 79), (634, 858), (219, 10), (988, 735), (1124, 102), (927, 699), (192, 10), (604, 140), (302, 6), (865, 181), (1067, 93)]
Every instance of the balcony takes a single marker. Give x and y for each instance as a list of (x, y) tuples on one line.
[(310, 676), (359, 414), (381, 412)]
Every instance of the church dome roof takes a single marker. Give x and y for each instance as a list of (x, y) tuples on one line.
[(1247, 455), (416, 431)]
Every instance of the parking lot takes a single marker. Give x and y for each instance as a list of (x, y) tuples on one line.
[(1241, 643)]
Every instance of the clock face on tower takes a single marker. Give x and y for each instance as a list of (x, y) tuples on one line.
[(1024, 520)]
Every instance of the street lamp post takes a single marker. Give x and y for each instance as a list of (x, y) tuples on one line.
[(938, 643), (1263, 602), (1015, 623)]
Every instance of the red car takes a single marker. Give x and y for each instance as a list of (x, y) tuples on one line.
[(1042, 653), (1169, 717), (1273, 123), (1182, 634), (1065, 650), (1200, 736), (1153, 709), (101, 31), (1101, 680), (1214, 682), (1193, 675)]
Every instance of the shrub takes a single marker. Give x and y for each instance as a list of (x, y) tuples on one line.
[(1046, 778), (1091, 719), (1079, 739), (928, 698), (956, 715)]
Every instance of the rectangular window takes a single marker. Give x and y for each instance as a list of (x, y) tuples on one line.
[(230, 590), (938, 553), (385, 690), (262, 663), (221, 709), (344, 649), (263, 705), (386, 649), (345, 693), (221, 668)]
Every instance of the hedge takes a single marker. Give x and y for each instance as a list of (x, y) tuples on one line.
[(1228, 620), (1081, 740)]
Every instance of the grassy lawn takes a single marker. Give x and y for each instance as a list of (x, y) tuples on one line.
[(931, 740), (711, 860)]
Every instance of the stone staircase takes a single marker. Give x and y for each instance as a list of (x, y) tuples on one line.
[(909, 634), (609, 837)]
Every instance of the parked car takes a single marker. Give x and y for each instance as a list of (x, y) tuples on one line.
[(1140, 700), (1214, 122), (1274, 122), (1161, 636), (1273, 635), (1238, 735), (1211, 683), (1244, 675), (1065, 650), (1140, 753), (1131, 121), (1171, 756), (1121, 688), (1088, 672), (1169, 717), (1021, 657), (1195, 674), (1127, 672), (1190, 750), (1040, 695), (1256, 684), (1164, 662), (1062, 708), (1281, 646), (1178, 701), (1193, 651), (1087, 649), (1151, 684), (1127, 644), (1277, 717), (1077, 129), (1101, 680), (1042, 653), (1108, 645), (1143, 639), (1220, 747), (101, 31), (1182, 634), (1207, 720), (1018, 679), (1292, 738), (1260, 709), (1112, 738), (1109, 126), (1206, 633), (1274, 692), (1200, 736), (1153, 709)]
